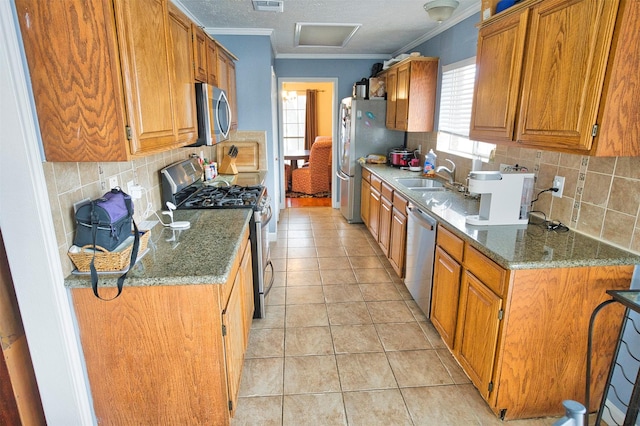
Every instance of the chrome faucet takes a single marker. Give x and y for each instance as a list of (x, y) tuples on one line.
[(450, 172)]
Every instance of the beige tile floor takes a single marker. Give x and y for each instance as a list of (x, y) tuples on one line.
[(343, 342)]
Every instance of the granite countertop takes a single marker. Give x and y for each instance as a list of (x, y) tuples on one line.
[(510, 246), (202, 254)]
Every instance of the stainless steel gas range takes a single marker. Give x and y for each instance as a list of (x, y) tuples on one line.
[(182, 185)]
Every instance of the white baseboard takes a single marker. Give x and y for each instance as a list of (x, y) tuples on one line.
[(612, 415)]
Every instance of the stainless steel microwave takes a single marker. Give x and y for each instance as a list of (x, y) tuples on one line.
[(214, 115)]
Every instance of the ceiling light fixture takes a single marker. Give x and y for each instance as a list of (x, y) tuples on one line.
[(440, 10), (268, 5)]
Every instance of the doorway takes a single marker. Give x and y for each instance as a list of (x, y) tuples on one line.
[(292, 105)]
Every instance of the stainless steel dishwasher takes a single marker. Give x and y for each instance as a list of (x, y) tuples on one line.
[(421, 246)]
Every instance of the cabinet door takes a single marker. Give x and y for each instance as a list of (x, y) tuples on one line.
[(233, 100), (212, 62), (445, 295), (384, 226), (200, 48), (374, 212), (402, 96), (185, 116), (364, 201), (565, 66), (76, 81), (477, 332), (397, 241), (392, 79), (247, 288), (143, 36), (222, 70), (498, 70), (234, 340)]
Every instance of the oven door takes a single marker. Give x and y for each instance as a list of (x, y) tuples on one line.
[(263, 268)]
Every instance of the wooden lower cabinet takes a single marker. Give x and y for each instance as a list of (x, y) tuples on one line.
[(365, 190), (166, 354), (384, 227), (374, 207), (477, 332), (384, 212), (445, 295), (398, 235), (521, 335)]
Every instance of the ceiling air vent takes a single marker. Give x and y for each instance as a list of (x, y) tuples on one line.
[(268, 5)]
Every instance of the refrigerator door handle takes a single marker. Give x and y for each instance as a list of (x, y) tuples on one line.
[(342, 175)]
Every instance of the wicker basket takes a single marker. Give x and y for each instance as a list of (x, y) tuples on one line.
[(107, 261)]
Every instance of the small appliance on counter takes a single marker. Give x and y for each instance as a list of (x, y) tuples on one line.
[(505, 198), (400, 157)]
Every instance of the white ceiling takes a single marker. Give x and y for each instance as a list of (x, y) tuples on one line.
[(389, 27)]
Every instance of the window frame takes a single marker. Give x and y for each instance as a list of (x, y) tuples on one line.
[(455, 140)]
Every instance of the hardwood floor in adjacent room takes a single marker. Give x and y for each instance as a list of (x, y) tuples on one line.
[(307, 202)]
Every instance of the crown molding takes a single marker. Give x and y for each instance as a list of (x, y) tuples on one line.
[(466, 13)]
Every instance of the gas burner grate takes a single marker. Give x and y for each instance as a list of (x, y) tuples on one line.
[(225, 197)]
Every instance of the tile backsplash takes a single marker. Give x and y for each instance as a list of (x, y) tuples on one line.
[(601, 196), (68, 183)]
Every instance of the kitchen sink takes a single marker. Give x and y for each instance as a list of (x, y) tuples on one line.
[(422, 184), (428, 189)]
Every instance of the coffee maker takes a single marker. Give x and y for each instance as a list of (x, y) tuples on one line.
[(505, 197)]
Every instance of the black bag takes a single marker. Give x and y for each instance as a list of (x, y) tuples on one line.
[(106, 222), (110, 217)]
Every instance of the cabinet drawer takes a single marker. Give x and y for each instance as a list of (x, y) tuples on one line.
[(400, 203), (226, 288), (487, 271), (376, 182), (387, 191), (450, 243), (366, 175)]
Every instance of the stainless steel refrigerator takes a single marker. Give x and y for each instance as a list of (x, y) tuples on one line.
[(362, 132)]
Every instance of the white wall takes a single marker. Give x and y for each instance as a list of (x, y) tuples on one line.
[(27, 228)]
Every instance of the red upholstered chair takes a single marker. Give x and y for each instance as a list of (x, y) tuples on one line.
[(287, 176), (315, 176)]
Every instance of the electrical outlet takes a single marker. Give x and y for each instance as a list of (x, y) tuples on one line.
[(558, 182), (132, 190), (113, 182)]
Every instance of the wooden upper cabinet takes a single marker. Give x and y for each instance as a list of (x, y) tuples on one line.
[(76, 82), (183, 88), (143, 35), (564, 72), (212, 62), (411, 100), (498, 71), (103, 78), (402, 96), (391, 81), (200, 64), (578, 62), (227, 81)]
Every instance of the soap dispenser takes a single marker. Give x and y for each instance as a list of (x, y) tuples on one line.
[(430, 164)]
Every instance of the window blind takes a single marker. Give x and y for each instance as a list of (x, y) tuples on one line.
[(456, 96)]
